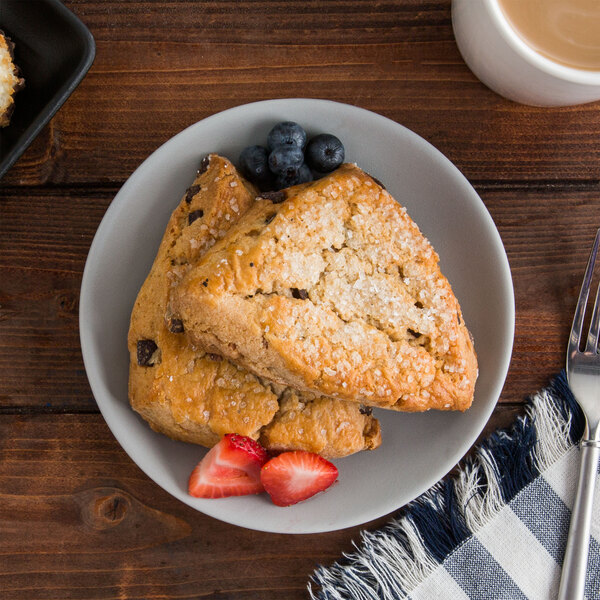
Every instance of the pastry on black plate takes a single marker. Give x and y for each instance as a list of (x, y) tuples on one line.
[(10, 80)]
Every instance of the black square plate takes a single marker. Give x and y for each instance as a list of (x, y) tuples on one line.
[(53, 50)]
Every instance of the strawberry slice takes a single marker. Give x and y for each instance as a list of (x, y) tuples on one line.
[(230, 468), (295, 476)]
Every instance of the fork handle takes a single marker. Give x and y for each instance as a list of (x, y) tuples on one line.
[(572, 582)]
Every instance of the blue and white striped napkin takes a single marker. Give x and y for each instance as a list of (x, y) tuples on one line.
[(498, 530)]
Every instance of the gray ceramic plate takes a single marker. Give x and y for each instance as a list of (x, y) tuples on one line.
[(417, 449)]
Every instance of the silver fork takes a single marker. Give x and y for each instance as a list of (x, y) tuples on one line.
[(583, 374)]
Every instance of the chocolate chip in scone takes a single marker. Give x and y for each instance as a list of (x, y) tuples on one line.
[(269, 218), (214, 356), (147, 353), (191, 192), (204, 165), (205, 283), (365, 410), (299, 293), (275, 197), (251, 264), (196, 214), (175, 325)]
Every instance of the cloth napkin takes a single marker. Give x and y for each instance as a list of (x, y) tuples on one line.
[(497, 530)]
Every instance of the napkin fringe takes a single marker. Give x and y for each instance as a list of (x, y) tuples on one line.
[(394, 560)]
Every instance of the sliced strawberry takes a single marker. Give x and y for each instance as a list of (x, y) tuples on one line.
[(295, 476), (230, 468)]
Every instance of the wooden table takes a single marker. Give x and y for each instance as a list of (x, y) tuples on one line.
[(78, 519)]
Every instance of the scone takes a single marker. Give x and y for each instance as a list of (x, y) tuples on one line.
[(10, 81), (197, 397), (331, 288)]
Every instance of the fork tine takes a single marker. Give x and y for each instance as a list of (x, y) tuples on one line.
[(583, 297), (592, 341)]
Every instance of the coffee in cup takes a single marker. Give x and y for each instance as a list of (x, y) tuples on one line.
[(564, 31)]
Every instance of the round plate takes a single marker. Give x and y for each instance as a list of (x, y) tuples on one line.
[(417, 449)]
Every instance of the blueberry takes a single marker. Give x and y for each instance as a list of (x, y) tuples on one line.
[(254, 165), (286, 133), (291, 177), (285, 158), (324, 153)]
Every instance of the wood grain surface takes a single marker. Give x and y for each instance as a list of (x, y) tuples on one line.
[(78, 519)]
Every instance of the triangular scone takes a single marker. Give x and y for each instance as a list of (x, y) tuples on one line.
[(197, 397), (335, 291)]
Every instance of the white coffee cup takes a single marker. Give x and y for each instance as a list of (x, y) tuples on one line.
[(505, 63)]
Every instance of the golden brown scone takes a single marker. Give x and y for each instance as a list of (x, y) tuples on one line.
[(334, 291), (197, 397), (179, 391), (322, 425), (10, 81)]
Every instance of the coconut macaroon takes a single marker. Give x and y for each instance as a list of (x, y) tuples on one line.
[(10, 81)]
